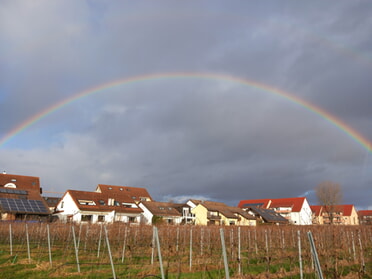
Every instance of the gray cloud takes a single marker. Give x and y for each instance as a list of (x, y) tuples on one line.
[(180, 137)]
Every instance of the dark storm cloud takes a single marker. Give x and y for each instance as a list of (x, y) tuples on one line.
[(188, 137)]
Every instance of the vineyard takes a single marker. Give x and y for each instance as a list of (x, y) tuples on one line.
[(39, 250)]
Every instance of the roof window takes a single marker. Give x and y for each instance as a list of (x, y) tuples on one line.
[(86, 202)]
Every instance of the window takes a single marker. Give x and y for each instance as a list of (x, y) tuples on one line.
[(101, 218), (62, 203), (101, 202), (86, 218), (132, 219), (87, 202)]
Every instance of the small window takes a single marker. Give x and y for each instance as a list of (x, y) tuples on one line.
[(86, 218), (87, 202), (101, 218), (101, 202)]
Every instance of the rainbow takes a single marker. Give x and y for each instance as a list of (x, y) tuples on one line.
[(353, 134)]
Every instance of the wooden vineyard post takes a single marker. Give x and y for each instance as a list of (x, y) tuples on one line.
[(363, 265), (10, 239), (190, 262), (99, 241), (110, 255), (153, 245), (76, 248), (28, 244), (159, 252), (124, 244), (239, 252), (299, 254), (315, 255), (227, 274), (49, 248)]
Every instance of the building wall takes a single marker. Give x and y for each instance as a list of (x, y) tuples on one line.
[(200, 215)]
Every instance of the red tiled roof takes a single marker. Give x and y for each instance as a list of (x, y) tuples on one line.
[(101, 202), (264, 202), (295, 203), (130, 193), (26, 186), (316, 209), (365, 213), (163, 208), (345, 209)]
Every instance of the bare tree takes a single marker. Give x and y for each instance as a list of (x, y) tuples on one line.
[(329, 195)]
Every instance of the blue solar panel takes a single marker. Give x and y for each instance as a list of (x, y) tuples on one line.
[(13, 191), (24, 206)]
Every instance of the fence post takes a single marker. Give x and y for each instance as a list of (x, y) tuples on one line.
[(76, 248), (227, 274), (99, 241), (315, 255), (110, 255), (49, 248), (10, 239), (299, 253), (159, 252), (239, 252), (28, 244), (190, 263)]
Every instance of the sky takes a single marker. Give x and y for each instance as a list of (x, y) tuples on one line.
[(215, 100)]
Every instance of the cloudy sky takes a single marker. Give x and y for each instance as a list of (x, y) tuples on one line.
[(218, 100)]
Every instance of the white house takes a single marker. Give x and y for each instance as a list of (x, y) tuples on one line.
[(107, 204), (171, 213), (296, 210)]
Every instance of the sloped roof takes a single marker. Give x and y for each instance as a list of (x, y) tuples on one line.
[(268, 215), (164, 209), (295, 203), (21, 194), (132, 193), (316, 209), (101, 202), (227, 211), (362, 213), (345, 209), (264, 203)]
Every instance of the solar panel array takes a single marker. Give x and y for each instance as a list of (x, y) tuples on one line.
[(13, 191), (24, 206), (268, 214)]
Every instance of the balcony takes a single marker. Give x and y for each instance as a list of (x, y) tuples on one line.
[(213, 216)]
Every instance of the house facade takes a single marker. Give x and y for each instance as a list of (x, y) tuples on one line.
[(365, 217), (20, 198), (108, 203), (217, 213), (165, 212), (296, 210), (345, 214)]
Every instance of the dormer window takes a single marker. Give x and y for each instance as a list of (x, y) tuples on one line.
[(10, 185), (86, 202), (101, 202)]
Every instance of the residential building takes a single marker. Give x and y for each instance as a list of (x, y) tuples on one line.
[(217, 213), (296, 210), (344, 214), (108, 203), (365, 217), (20, 198), (170, 213), (317, 214), (267, 216)]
